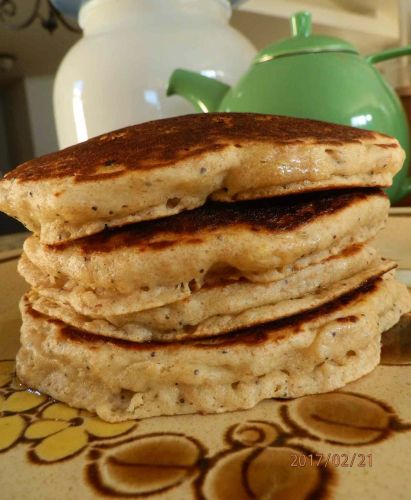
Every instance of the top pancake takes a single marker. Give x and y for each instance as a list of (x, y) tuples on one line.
[(162, 167)]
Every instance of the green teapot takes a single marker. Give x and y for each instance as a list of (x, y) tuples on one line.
[(310, 76)]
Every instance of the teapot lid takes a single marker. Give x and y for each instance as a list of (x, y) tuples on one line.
[(303, 42)]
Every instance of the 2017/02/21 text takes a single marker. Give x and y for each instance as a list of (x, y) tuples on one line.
[(334, 459)]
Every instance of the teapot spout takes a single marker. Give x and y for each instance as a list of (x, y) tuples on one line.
[(204, 93)]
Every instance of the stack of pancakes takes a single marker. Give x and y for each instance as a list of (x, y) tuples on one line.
[(204, 263)]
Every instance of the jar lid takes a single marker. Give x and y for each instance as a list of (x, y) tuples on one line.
[(303, 42), (72, 8)]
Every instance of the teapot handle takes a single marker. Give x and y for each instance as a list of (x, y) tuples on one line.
[(389, 54)]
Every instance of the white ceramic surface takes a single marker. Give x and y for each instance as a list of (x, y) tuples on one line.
[(117, 74)]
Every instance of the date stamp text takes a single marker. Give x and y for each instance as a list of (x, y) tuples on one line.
[(332, 459)]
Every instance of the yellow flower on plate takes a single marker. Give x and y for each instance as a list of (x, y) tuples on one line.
[(12, 425), (63, 431), (21, 401), (11, 428)]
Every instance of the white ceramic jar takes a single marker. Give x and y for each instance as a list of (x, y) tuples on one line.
[(117, 74)]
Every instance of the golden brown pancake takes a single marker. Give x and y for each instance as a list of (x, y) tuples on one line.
[(317, 351), (150, 264), (223, 306), (163, 167)]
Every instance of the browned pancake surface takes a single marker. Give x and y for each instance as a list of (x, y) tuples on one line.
[(272, 215), (247, 336), (164, 142)]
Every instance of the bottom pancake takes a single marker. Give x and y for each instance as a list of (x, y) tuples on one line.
[(317, 351)]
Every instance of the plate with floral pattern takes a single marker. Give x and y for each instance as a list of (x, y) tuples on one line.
[(351, 443)]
